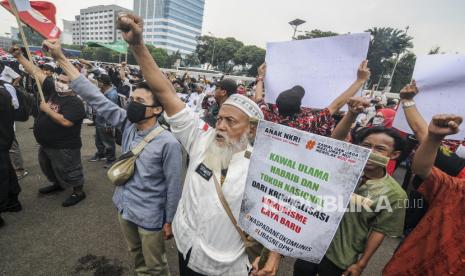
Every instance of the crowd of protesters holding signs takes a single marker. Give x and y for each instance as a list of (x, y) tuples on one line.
[(186, 145)]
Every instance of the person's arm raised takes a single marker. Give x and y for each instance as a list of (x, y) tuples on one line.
[(356, 106), (413, 116), (363, 74), (28, 65), (440, 127), (131, 27), (260, 83), (90, 93)]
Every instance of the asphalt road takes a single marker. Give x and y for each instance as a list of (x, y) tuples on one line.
[(47, 239)]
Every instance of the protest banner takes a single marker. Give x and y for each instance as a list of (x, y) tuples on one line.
[(441, 82), (297, 189), (324, 67)]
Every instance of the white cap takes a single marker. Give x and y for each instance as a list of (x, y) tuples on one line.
[(245, 104)]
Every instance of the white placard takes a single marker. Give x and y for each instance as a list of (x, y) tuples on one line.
[(297, 189), (324, 67), (441, 82)]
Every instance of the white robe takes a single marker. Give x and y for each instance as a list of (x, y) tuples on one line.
[(200, 223)]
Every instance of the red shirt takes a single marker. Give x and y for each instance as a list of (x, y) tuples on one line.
[(317, 122), (436, 246)]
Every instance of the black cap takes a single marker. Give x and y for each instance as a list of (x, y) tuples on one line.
[(105, 79), (289, 101), (229, 85)]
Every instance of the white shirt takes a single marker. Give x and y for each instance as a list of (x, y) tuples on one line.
[(9, 75), (198, 103), (201, 224)]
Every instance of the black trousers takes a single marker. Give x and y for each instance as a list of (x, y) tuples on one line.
[(324, 268), (184, 270), (9, 186)]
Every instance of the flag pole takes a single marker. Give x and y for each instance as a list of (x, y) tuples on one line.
[(26, 45)]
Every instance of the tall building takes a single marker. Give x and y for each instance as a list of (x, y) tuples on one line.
[(14, 33), (67, 33), (173, 25), (97, 24), (5, 42)]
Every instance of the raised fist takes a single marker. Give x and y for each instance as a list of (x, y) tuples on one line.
[(15, 51), (409, 91), (444, 124), (131, 27), (358, 104), (53, 46)]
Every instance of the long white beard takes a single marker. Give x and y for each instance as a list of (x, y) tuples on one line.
[(219, 157)]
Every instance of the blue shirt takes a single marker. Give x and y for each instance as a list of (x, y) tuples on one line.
[(112, 95), (151, 196)]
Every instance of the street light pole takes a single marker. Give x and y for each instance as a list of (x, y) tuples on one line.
[(395, 65), (296, 23), (213, 53)]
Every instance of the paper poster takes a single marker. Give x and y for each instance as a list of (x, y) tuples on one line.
[(441, 84), (324, 67), (297, 189)]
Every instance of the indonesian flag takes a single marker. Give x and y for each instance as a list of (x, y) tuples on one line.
[(39, 15)]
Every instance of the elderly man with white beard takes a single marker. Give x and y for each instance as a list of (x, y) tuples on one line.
[(207, 241)]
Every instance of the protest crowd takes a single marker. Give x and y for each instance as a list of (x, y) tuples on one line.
[(186, 143)]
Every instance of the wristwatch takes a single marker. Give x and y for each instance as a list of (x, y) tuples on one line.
[(407, 104)]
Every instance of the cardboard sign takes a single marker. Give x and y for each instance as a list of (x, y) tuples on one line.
[(441, 82), (324, 67), (297, 189)]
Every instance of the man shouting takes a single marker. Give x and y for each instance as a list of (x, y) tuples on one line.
[(207, 241)]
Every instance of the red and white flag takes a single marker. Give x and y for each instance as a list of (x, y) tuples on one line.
[(39, 15)]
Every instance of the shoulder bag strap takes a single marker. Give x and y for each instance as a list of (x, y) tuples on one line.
[(154, 133), (228, 211)]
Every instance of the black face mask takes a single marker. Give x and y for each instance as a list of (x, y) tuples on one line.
[(136, 112)]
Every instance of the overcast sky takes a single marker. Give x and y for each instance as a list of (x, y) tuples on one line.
[(432, 22)]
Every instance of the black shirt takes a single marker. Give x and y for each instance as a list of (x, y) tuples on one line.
[(53, 135), (6, 120)]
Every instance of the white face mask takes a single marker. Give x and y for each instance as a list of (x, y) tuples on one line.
[(461, 151), (62, 87), (378, 121)]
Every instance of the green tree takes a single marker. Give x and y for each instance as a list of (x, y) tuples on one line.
[(33, 38), (192, 59), (385, 44), (404, 71), (316, 33), (160, 55), (171, 60), (225, 49), (204, 49), (252, 56)]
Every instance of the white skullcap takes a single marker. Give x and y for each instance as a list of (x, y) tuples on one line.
[(245, 104)]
